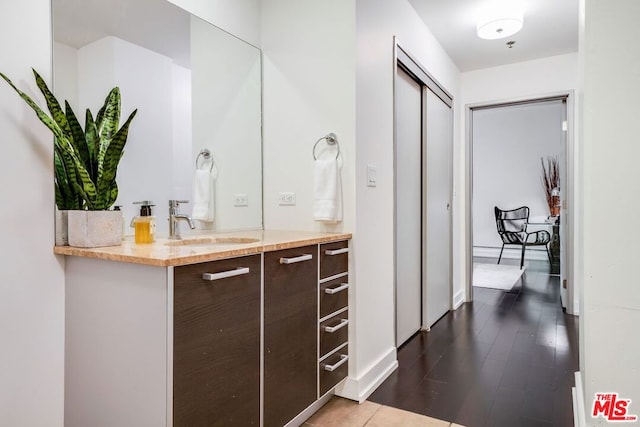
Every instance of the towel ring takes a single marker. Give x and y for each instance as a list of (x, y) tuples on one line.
[(331, 139), (206, 155)]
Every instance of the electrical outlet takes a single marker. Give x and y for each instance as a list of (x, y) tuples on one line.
[(241, 199), (287, 199), (372, 176)]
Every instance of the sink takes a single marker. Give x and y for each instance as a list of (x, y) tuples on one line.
[(208, 241)]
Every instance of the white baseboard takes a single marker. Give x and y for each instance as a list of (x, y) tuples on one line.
[(458, 299), (577, 392), (510, 253), (359, 389)]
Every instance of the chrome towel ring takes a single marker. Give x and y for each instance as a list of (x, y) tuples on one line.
[(331, 139), (205, 153)]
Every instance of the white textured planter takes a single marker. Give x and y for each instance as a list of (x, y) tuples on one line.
[(61, 226), (94, 229)]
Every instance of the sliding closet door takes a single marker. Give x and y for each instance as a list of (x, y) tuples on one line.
[(408, 206), (437, 207)]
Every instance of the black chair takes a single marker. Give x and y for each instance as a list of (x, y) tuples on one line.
[(512, 228)]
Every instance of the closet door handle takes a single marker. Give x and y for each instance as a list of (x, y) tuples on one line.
[(340, 288), (224, 274), (293, 260), (332, 329), (336, 251), (343, 360)]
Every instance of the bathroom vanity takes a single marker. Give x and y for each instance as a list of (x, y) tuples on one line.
[(243, 329)]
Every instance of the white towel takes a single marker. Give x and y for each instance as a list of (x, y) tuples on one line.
[(327, 191), (203, 195)]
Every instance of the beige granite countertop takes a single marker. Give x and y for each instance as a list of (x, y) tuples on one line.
[(165, 252)]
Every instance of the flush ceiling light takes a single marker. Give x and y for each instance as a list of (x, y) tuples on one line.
[(499, 19)]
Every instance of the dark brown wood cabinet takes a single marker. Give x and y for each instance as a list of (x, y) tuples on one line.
[(290, 333), (216, 343)]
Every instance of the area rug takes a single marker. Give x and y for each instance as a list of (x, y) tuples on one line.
[(496, 276)]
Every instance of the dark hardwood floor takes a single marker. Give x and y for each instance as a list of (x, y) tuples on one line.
[(506, 359)]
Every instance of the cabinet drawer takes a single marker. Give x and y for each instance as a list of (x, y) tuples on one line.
[(334, 296), (334, 332), (334, 258), (340, 364)]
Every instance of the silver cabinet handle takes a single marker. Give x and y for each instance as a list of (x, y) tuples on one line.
[(293, 260), (224, 274), (336, 251), (332, 329), (340, 288), (342, 361)]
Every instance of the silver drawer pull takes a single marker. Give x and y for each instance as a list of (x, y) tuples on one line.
[(336, 251), (332, 329), (293, 260), (340, 288), (224, 274), (342, 361)]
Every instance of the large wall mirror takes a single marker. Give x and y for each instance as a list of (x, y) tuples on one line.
[(195, 87)]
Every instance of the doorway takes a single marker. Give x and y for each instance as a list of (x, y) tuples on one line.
[(423, 163), (506, 143)]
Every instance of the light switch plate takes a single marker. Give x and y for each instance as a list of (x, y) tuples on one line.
[(372, 176)]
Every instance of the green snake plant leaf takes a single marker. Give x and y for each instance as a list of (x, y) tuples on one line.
[(63, 191), (44, 118), (100, 116), (84, 196), (60, 199), (85, 162), (65, 175), (88, 189), (77, 136), (52, 103), (113, 194), (107, 168), (93, 144), (108, 122)]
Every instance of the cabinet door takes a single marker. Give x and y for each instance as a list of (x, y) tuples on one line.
[(216, 350), (290, 333)]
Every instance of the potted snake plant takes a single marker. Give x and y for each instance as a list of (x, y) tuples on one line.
[(85, 165)]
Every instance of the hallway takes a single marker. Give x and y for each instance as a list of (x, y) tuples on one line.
[(507, 359)]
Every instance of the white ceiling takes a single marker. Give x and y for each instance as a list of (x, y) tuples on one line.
[(155, 24), (550, 28)]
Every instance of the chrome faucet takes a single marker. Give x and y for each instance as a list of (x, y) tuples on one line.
[(175, 217)]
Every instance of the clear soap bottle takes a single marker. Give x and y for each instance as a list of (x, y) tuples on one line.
[(144, 225)]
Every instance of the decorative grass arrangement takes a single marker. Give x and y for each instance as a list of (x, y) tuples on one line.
[(551, 183)]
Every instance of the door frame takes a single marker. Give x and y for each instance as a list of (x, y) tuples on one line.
[(568, 209), (403, 59)]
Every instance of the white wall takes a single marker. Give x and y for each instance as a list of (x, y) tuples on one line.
[(31, 277), (508, 143), (309, 91), (611, 305), (238, 17), (377, 22), (65, 76)]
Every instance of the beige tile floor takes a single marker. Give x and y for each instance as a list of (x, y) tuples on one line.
[(347, 413)]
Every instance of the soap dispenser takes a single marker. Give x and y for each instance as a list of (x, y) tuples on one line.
[(144, 224)]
